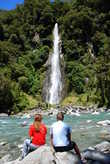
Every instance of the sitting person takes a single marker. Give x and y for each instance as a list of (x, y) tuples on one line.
[(37, 133), (60, 134)]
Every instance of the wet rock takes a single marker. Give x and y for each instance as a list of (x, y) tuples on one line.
[(104, 123), (26, 115), (24, 123), (3, 143)]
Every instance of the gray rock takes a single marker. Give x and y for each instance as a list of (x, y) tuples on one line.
[(3, 115), (104, 123), (105, 135), (103, 147), (5, 159), (46, 155), (96, 157), (99, 154), (3, 143), (36, 38)]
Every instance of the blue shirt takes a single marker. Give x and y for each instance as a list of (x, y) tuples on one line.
[(60, 131)]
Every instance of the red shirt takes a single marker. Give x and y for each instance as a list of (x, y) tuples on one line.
[(39, 137)]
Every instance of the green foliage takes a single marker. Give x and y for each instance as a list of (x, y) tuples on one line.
[(23, 82), (20, 103), (72, 51), (39, 56), (6, 97), (76, 76), (36, 85), (8, 52)]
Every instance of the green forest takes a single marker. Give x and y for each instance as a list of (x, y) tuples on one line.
[(25, 43)]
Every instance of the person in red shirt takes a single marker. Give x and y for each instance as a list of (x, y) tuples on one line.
[(37, 133)]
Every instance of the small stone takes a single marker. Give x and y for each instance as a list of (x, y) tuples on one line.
[(3, 143)]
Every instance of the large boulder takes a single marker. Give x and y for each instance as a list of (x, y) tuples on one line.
[(99, 154), (46, 155), (96, 157), (103, 147)]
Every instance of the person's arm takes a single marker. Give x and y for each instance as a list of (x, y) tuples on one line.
[(75, 146), (31, 138)]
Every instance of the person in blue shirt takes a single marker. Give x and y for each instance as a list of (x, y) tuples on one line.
[(60, 134)]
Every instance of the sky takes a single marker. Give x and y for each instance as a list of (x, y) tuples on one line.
[(11, 4)]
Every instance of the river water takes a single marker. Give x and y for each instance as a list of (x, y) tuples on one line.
[(85, 131)]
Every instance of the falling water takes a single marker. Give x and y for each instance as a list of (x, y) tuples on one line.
[(55, 77)]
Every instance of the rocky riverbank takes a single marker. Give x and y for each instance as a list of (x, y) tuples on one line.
[(99, 154), (69, 109)]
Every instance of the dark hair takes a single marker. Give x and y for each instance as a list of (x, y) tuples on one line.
[(60, 116)]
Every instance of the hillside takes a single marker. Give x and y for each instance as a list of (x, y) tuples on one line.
[(26, 41)]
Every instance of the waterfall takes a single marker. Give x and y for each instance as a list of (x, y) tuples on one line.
[(54, 87), (55, 76)]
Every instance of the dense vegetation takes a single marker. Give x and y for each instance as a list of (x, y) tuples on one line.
[(26, 40)]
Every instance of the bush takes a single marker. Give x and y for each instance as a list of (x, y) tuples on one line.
[(24, 83), (76, 76), (8, 52)]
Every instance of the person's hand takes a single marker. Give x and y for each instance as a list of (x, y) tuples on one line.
[(31, 138)]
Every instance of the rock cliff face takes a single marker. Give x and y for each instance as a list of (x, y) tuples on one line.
[(45, 155)]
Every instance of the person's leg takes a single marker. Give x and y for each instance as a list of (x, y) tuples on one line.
[(28, 147), (77, 150), (65, 148), (33, 147), (74, 146), (25, 150), (59, 149)]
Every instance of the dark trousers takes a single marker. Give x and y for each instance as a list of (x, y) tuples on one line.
[(65, 148), (71, 146)]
